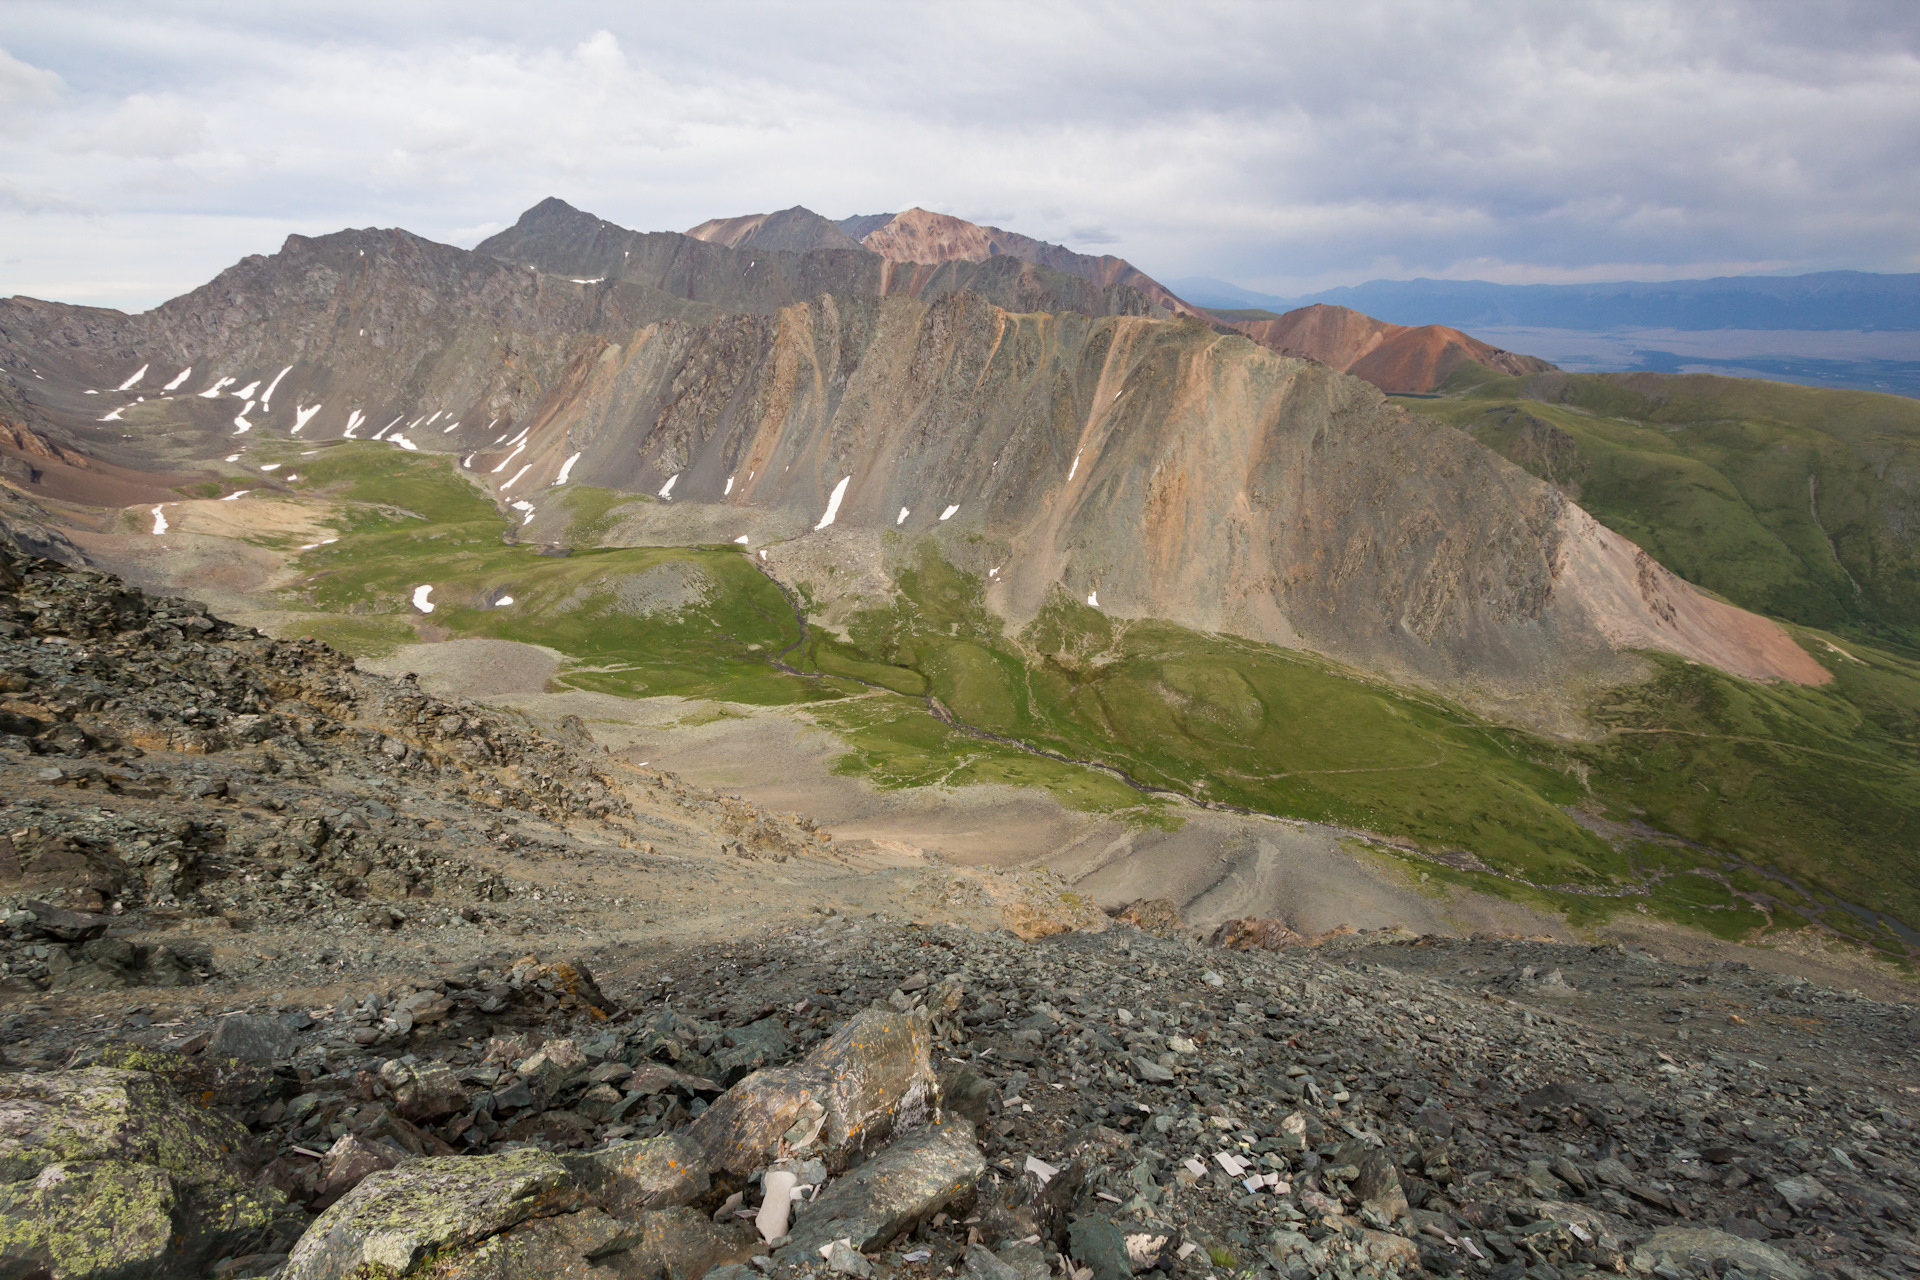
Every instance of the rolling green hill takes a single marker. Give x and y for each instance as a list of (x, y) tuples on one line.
[(1798, 502)]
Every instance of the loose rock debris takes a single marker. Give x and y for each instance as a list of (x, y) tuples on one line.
[(864, 1097)]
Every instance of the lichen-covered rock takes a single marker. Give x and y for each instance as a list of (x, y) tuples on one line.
[(398, 1216), (90, 1218), (906, 1183), (872, 1078), (573, 1246), (108, 1172), (104, 1113), (654, 1173)]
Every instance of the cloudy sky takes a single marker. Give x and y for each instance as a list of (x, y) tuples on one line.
[(1282, 146)]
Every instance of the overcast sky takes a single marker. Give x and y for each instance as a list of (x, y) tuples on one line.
[(1284, 147)]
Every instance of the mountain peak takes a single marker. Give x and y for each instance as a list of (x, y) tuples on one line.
[(797, 230)]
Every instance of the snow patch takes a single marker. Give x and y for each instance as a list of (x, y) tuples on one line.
[(948, 513), (240, 424), (178, 378), (595, 280), (238, 493), (503, 602), (420, 600), (246, 392), (1093, 598), (114, 416), (666, 490), (450, 427), (159, 522), (271, 466), (901, 518), (404, 443), (742, 539), (466, 463), (566, 469), (139, 373), (219, 385), (430, 421), (516, 476), (517, 451), (266, 397), (1075, 467), (355, 420), (234, 457), (302, 416), (729, 489), (833, 502)]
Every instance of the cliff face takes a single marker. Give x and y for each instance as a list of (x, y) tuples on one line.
[(1155, 468)]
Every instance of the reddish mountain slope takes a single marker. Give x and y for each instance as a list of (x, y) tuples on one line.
[(920, 236), (1394, 357)]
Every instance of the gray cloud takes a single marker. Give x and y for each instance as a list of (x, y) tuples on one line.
[(1284, 146)]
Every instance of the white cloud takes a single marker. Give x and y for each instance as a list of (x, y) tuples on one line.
[(1281, 145), (21, 84)]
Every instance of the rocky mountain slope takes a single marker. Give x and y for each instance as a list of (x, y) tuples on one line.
[(1154, 468), (1790, 500), (1396, 358), (296, 987), (799, 230)]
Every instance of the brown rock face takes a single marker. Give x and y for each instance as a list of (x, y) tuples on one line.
[(920, 236), (1393, 357)]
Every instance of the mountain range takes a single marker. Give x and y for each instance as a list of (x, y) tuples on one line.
[(1827, 300), (1038, 496)]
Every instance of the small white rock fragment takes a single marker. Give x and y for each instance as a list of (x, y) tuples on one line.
[(1041, 1169), (776, 1204)]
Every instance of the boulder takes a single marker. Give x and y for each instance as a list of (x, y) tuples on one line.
[(872, 1077), (1095, 1242), (653, 1173), (753, 1046), (906, 1183), (346, 1164), (113, 1169), (573, 1246), (91, 1217), (682, 1244), (397, 1216), (252, 1038), (425, 1091), (1699, 1248)]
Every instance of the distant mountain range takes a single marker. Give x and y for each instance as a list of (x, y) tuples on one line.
[(1824, 300)]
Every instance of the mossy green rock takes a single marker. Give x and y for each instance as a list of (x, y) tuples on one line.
[(99, 1219), (108, 1172), (398, 1217), (103, 1113), (575, 1246)]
